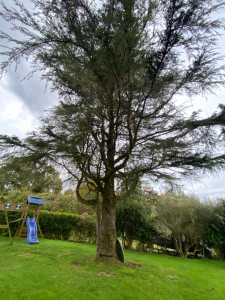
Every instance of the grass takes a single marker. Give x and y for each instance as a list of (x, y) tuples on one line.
[(63, 270)]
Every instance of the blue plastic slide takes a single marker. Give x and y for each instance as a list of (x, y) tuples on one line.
[(31, 231)]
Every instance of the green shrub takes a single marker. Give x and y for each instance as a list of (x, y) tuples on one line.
[(53, 224), (85, 231), (57, 225), (132, 223), (17, 196), (146, 236)]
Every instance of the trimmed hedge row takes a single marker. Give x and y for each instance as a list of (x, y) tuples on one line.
[(57, 225)]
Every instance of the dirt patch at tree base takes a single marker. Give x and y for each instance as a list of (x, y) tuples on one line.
[(133, 265)]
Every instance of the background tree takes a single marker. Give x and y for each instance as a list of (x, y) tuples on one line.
[(187, 219), (131, 221), (36, 177), (63, 202), (118, 66), (216, 229)]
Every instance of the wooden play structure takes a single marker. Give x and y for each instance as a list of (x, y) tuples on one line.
[(5, 226), (32, 204)]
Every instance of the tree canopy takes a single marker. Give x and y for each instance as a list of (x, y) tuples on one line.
[(18, 173), (187, 220), (120, 68), (216, 230)]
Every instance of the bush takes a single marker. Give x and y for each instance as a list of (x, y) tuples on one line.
[(132, 223), (17, 196), (57, 225), (145, 236), (85, 231), (216, 230)]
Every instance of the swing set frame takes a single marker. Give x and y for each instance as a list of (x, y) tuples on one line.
[(23, 208)]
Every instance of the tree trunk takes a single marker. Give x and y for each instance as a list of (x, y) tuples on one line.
[(178, 246), (107, 239), (123, 240), (129, 243), (98, 224), (221, 253), (186, 247), (150, 247)]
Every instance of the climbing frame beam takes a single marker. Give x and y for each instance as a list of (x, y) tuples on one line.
[(3, 207)]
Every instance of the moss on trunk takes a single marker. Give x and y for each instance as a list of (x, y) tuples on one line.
[(107, 238)]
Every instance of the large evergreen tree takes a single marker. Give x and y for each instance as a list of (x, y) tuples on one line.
[(120, 67)]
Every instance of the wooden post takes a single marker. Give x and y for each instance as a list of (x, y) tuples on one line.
[(21, 226), (5, 226), (37, 217)]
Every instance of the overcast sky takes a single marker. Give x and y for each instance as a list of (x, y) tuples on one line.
[(22, 102)]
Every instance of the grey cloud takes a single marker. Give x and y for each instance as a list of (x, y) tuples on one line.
[(209, 186), (32, 91)]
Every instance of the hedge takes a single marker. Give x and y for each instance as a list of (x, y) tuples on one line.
[(85, 230), (57, 225)]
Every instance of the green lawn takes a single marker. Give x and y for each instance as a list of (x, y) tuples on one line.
[(63, 270)]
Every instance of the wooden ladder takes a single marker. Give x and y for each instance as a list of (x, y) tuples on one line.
[(22, 228)]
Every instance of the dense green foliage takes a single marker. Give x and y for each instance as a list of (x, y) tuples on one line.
[(19, 173), (62, 202), (17, 195), (216, 230), (64, 271), (85, 229), (57, 225), (172, 221), (186, 219), (132, 223), (12, 216)]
